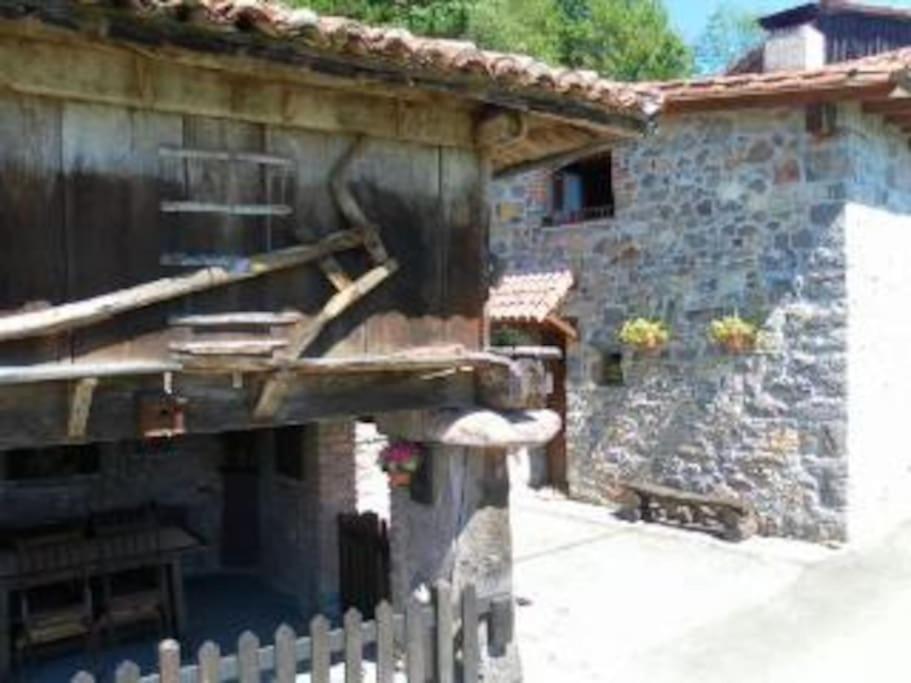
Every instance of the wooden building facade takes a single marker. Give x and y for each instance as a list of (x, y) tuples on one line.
[(223, 223)]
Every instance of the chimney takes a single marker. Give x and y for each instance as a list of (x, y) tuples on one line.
[(791, 48)]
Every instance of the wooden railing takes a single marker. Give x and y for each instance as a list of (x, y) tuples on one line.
[(435, 642)]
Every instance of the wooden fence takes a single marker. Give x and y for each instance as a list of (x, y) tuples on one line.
[(428, 644)]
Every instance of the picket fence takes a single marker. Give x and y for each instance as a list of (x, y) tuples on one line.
[(434, 643)]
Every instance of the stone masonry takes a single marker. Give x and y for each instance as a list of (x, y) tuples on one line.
[(740, 212)]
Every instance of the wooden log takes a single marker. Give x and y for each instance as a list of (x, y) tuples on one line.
[(226, 209), (333, 270), (354, 647), (285, 655), (169, 661), (62, 372), (248, 657), (321, 653), (127, 672), (209, 660), (414, 638), (471, 648), (81, 406), (445, 633), (385, 643), (88, 311)]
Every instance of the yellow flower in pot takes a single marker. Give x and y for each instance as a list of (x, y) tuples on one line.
[(647, 336), (734, 334)]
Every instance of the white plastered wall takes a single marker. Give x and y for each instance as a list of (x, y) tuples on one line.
[(879, 370)]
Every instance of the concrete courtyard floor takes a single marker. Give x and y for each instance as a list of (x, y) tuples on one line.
[(618, 602)]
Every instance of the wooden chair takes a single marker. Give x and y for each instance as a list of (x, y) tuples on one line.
[(132, 597), (55, 596)]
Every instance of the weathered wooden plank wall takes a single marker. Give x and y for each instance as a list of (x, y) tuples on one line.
[(81, 199)]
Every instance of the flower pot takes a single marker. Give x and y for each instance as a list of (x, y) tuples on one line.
[(400, 479), (738, 343)]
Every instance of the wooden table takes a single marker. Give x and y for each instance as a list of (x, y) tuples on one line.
[(90, 556)]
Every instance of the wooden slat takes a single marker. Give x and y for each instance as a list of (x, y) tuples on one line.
[(285, 654), (246, 319), (888, 106), (169, 661), (445, 633), (500, 627), (89, 311), (226, 156), (127, 672), (81, 406), (209, 657), (181, 260), (385, 643), (229, 347), (227, 209), (414, 639), (248, 657), (321, 655), (471, 649), (354, 647)]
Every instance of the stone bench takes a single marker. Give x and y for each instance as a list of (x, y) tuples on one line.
[(733, 520)]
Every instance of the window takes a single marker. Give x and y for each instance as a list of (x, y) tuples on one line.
[(611, 369), (582, 191), (52, 463), (290, 452)]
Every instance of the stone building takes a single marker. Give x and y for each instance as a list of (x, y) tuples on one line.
[(784, 198)]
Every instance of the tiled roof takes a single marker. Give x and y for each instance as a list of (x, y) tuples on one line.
[(528, 297), (845, 78), (348, 38)]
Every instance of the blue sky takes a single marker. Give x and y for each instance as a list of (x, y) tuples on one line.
[(690, 15)]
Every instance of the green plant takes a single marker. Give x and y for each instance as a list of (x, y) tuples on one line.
[(644, 334), (734, 333)]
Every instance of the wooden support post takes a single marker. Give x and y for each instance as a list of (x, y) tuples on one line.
[(81, 407), (305, 333), (333, 270)]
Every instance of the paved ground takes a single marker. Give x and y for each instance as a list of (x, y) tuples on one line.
[(612, 601)]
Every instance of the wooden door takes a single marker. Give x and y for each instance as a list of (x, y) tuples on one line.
[(240, 536), (556, 449)]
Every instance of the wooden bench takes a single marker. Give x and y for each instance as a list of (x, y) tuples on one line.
[(731, 519)]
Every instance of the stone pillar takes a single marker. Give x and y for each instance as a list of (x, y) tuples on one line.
[(464, 537)]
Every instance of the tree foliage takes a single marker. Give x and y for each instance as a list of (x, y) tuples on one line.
[(624, 39), (729, 34)]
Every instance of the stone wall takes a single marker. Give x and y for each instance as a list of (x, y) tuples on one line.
[(715, 214)]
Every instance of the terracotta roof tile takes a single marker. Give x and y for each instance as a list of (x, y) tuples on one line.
[(528, 297), (347, 37), (879, 70)]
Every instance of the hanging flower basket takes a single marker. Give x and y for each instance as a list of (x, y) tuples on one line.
[(734, 334), (400, 460), (646, 336)]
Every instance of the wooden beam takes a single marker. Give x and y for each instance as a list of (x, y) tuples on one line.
[(89, 311), (559, 324), (887, 106), (501, 128), (80, 407), (226, 156), (305, 333), (348, 206), (333, 270)]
